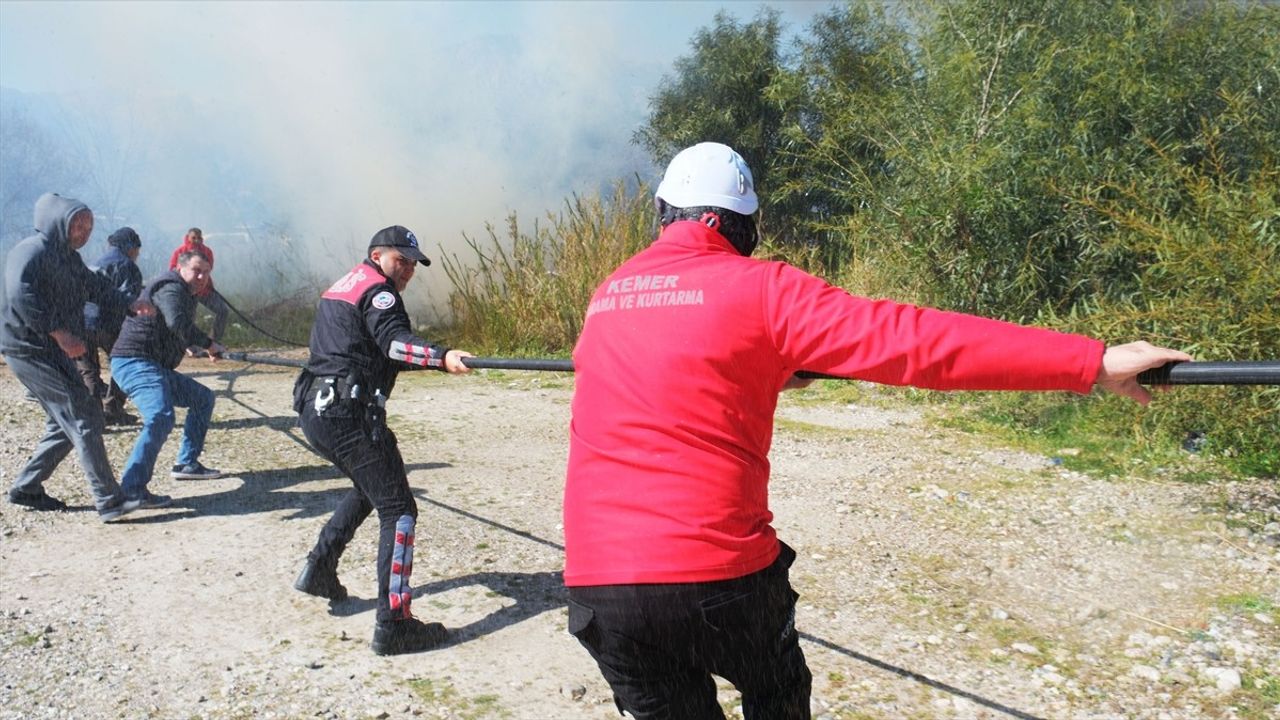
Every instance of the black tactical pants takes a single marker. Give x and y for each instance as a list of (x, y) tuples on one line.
[(343, 434), (658, 645)]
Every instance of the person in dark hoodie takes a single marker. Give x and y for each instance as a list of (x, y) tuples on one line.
[(120, 266), (46, 287), (143, 361)]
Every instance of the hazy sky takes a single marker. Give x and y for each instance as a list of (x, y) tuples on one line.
[(345, 117)]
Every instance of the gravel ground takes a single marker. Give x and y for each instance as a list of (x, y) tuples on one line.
[(942, 575)]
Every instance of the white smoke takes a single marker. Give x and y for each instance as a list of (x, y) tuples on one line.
[(327, 121)]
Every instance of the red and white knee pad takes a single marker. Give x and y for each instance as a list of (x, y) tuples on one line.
[(399, 592)]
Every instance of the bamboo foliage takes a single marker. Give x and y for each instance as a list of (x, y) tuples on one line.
[(1102, 166), (527, 290)]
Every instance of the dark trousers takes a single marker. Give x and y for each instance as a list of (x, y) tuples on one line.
[(90, 367), (74, 421), (344, 436), (659, 645)]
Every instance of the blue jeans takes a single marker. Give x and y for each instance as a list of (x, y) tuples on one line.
[(156, 390)]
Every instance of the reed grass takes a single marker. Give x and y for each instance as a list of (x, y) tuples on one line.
[(525, 290)]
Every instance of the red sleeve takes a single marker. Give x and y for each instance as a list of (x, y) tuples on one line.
[(822, 328), (208, 254), (173, 259)]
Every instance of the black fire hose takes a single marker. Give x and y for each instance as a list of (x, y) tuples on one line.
[(1213, 373), (264, 359), (546, 365), (1174, 373), (254, 325)]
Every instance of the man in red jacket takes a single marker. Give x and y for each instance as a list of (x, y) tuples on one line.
[(194, 242), (674, 572)]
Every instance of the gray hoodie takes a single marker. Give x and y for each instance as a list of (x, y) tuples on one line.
[(47, 284)]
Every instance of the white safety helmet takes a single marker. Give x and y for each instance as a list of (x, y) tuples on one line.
[(709, 174)]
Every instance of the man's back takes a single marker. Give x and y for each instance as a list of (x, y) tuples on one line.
[(123, 274), (675, 390), (121, 271), (679, 365)]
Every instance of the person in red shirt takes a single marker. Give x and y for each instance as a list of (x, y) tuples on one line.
[(673, 569), (194, 242)]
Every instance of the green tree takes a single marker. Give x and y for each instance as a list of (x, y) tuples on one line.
[(966, 163), (726, 90), (855, 63)]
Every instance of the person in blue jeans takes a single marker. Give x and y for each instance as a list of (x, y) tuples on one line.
[(142, 363)]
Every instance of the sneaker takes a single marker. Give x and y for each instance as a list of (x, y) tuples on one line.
[(194, 471), (407, 636), (321, 582), (149, 501), (36, 501), (114, 512)]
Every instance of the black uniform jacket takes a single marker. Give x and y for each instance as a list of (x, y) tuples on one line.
[(362, 335)]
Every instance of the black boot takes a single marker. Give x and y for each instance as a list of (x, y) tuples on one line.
[(321, 581), (407, 636), (117, 417)]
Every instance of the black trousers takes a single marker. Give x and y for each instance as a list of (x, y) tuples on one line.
[(659, 645), (343, 435), (90, 367)]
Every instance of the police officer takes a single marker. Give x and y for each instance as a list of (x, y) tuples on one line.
[(360, 341)]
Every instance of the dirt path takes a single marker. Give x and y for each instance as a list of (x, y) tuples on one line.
[(941, 575)]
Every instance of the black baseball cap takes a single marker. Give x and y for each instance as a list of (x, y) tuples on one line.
[(400, 238), (126, 238)]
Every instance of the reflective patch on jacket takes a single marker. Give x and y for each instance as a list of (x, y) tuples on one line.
[(383, 300), (352, 286)]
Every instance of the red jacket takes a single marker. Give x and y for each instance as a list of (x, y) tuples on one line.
[(188, 246), (682, 355)]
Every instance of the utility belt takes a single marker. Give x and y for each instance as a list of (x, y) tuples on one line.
[(320, 391), (327, 389), (330, 388), (331, 395)]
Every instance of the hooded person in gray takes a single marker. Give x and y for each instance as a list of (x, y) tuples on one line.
[(41, 329)]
